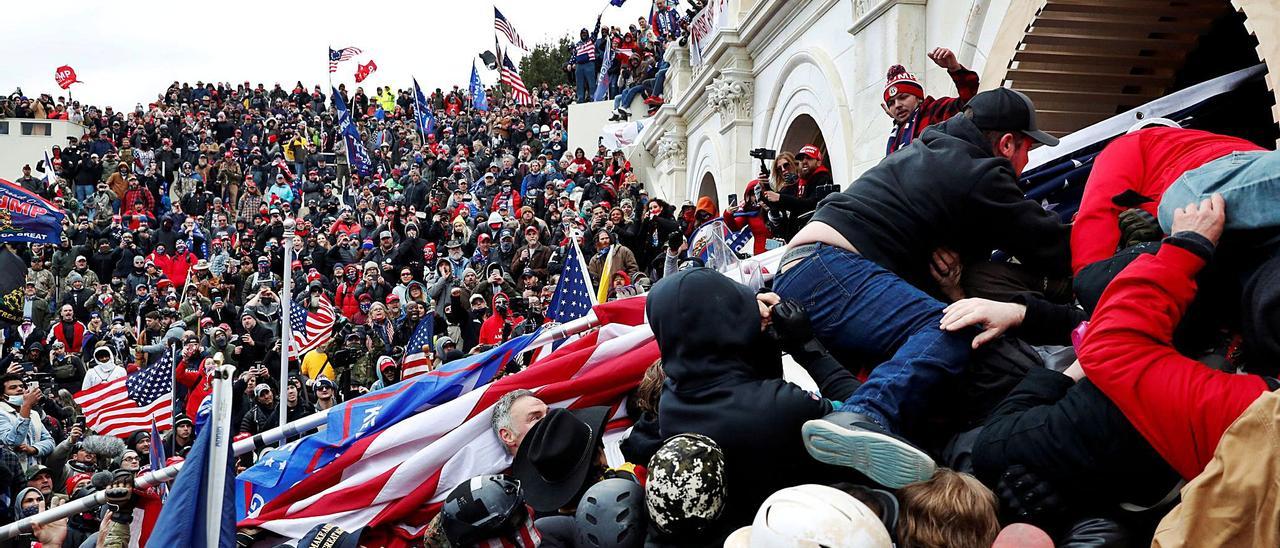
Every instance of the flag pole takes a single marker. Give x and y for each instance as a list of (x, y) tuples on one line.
[(220, 421), (286, 327)]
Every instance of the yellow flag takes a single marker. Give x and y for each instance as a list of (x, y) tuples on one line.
[(606, 277)]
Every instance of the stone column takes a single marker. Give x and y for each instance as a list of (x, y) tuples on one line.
[(730, 95)]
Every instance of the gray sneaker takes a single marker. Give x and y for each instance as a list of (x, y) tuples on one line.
[(855, 441)]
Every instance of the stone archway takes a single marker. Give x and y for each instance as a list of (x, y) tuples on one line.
[(707, 188), (804, 130), (1083, 61)]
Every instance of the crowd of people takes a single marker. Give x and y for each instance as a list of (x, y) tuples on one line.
[(1110, 383)]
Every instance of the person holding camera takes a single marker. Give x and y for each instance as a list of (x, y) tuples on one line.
[(751, 213), (798, 200), (21, 421)]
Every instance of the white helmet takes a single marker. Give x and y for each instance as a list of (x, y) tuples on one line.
[(809, 516)]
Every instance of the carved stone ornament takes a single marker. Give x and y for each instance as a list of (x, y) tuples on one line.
[(671, 147), (730, 97)]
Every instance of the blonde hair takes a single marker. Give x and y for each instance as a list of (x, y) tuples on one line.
[(778, 181), (950, 510)]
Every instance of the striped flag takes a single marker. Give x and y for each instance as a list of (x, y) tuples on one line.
[(311, 330), (512, 78), (339, 55), (504, 27), (126, 405), (418, 359), (573, 297), (157, 459), (356, 421), (395, 481)]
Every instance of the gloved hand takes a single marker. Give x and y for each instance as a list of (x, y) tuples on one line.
[(1138, 226), (791, 326), (1026, 497)]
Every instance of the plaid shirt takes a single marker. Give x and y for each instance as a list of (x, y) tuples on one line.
[(932, 111)]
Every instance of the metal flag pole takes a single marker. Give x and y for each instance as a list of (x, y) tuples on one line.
[(286, 327), (220, 421), (257, 442)]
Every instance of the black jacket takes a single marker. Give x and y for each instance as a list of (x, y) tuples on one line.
[(945, 189), (1072, 436), (724, 380)]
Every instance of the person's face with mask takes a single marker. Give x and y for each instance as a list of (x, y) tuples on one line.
[(13, 391), (219, 339), (32, 502)]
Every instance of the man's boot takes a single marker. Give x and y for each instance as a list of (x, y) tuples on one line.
[(856, 441)]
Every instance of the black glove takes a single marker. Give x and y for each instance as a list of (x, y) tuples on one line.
[(791, 327), (1025, 497), (1138, 226), (1095, 532)]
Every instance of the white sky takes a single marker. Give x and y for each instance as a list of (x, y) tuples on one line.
[(128, 52)]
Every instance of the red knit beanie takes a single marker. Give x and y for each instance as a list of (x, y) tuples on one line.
[(901, 81)]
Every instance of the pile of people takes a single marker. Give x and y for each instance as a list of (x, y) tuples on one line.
[(1111, 381)]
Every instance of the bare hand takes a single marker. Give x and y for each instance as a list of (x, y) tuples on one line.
[(946, 269), (15, 367), (1206, 218), (31, 397), (771, 196), (945, 58), (766, 301), (993, 317), (1076, 371)]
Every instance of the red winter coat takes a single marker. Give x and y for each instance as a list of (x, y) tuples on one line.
[(491, 329), (737, 218), (345, 299), (178, 267), (1180, 406), (1145, 162), (198, 385)]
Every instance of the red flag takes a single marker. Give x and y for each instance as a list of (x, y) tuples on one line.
[(65, 76), (363, 71)]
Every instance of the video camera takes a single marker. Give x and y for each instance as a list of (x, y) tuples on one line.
[(764, 154)]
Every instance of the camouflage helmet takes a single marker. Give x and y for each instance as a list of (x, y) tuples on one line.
[(686, 491)]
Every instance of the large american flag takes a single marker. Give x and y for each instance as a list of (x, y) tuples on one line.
[(503, 26), (573, 297), (126, 405), (396, 480), (339, 55), (311, 330), (512, 78), (417, 362)]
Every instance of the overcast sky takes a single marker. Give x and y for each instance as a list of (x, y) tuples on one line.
[(128, 53)]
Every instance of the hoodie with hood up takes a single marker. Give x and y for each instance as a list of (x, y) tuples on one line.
[(724, 381), (101, 372)]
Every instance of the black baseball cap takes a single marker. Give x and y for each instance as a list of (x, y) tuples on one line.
[(1004, 109)]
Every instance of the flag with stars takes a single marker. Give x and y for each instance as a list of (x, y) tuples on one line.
[(126, 405), (311, 330), (573, 297), (354, 422), (418, 359)]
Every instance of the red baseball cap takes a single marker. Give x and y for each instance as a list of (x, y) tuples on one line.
[(810, 151)]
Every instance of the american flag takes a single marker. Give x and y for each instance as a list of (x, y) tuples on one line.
[(503, 26), (311, 330), (396, 480), (339, 55), (573, 297), (588, 48), (512, 78), (126, 405), (417, 361)]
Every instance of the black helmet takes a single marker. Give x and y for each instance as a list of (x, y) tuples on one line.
[(483, 507), (611, 515)]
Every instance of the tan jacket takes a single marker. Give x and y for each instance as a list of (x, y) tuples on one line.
[(1236, 500)]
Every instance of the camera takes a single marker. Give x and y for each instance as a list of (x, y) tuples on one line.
[(763, 154)]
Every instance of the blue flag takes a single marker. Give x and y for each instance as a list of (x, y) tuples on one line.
[(478, 99), (618, 3), (26, 217), (183, 520), (422, 111), (356, 151), (157, 458), (348, 423), (602, 81)]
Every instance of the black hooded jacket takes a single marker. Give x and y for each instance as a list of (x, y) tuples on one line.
[(724, 380), (945, 189)]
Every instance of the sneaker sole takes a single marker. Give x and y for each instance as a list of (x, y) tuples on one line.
[(886, 460)]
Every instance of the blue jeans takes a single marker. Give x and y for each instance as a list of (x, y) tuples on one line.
[(585, 76), (624, 99), (660, 79), (83, 192), (1248, 181), (856, 306)]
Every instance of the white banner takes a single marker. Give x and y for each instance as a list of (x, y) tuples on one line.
[(704, 26), (625, 134)]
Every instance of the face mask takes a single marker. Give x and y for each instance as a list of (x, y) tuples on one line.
[(28, 512), (502, 308), (15, 401)]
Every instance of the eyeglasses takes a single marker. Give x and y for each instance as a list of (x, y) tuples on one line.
[(785, 166)]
